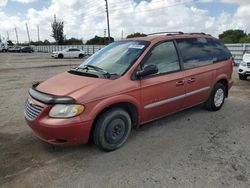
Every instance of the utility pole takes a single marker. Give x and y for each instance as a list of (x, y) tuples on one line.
[(107, 11), (8, 37), (122, 33), (28, 32), (16, 36), (56, 30), (38, 33), (104, 36)]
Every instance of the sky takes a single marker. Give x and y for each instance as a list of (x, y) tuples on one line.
[(86, 18)]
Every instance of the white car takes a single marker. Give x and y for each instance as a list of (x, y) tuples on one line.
[(244, 67), (69, 53), (3, 47)]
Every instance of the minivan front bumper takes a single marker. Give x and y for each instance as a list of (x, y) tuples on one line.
[(55, 131), (61, 132)]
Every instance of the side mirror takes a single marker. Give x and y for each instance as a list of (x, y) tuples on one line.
[(147, 70)]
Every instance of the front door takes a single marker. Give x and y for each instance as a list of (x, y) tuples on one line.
[(164, 92)]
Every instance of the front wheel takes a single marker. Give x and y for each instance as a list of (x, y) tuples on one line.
[(217, 98), (60, 56), (112, 129), (242, 77)]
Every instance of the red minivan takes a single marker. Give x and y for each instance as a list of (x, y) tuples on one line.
[(129, 83)]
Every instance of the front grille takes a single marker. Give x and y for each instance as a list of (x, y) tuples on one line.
[(32, 110), (248, 65)]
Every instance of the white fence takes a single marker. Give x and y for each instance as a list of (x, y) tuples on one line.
[(237, 50)]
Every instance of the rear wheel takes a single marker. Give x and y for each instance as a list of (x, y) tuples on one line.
[(81, 56), (217, 98), (112, 129), (60, 56), (242, 77)]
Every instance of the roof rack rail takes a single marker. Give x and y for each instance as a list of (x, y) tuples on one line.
[(169, 33), (201, 33)]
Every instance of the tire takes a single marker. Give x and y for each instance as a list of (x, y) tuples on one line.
[(112, 129), (242, 77), (219, 92), (81, 56), (60, 56)]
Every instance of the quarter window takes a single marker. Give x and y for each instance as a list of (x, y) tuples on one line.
[(201, 51), (165, 57)]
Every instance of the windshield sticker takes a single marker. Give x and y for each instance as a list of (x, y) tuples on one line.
[(136, 46)]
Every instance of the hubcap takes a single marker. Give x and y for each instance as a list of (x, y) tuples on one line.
[(219, 97), (115, 132)]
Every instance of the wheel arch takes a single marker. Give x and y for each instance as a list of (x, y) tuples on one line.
[(223, 80), (131, 106)]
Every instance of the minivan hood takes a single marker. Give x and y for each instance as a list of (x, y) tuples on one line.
[(66, 84)]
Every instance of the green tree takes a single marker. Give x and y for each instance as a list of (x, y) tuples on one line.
[(232, 36), (73, 41), (10, 43), (99, 40), (133, 35), (57, 31), (245, 39)]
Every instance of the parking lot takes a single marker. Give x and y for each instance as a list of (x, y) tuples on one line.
[(193, 148)]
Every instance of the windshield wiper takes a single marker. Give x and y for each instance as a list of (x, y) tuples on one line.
[(98, 69)]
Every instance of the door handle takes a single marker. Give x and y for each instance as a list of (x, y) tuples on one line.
[(190, 80), (180, 83)]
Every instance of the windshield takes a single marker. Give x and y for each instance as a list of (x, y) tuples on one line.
[(117, 57)]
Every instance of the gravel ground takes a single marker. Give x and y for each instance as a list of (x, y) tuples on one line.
[(193, 148)]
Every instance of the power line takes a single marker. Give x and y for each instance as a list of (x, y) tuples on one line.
[(153, 9)]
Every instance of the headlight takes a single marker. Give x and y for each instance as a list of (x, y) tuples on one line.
[(66, 110), (244, 64)]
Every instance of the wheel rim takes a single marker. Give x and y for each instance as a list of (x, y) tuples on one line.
[(219, 97), (116, 131)]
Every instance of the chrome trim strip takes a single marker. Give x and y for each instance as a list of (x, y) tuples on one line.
[(165, 101), (197, 91)]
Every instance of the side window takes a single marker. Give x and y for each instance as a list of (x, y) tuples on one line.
[(195, 52), (165, 57), (220, 52), (201, 51)]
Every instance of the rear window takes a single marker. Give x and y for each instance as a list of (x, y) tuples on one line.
[(197, 52)]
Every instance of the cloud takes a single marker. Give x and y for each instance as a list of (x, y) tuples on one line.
[(85, 19), (25, 1), (3, 3)]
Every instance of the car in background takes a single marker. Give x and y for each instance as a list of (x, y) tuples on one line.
[(68, 53), (244, 67), (3, 47), (14, 49), (27, 49)]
